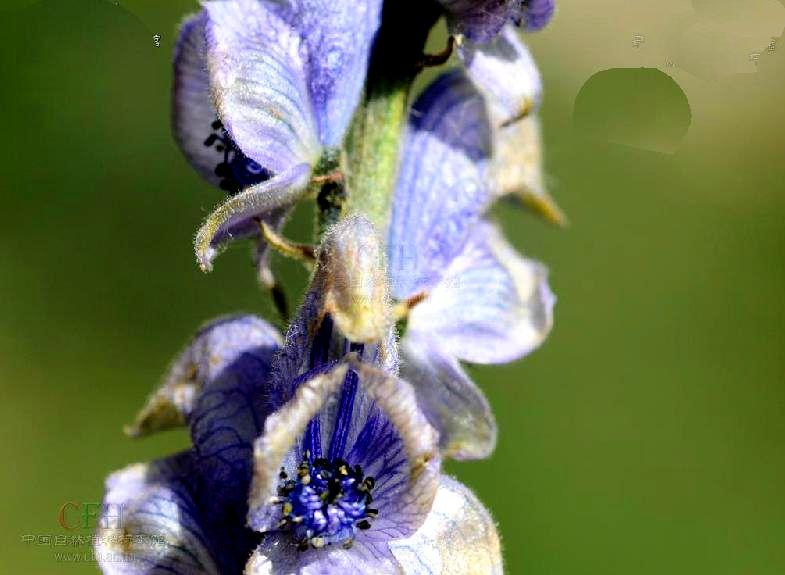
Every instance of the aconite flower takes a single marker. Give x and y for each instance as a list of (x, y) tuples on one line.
[(471, 296), (263, 94), (313, 457)]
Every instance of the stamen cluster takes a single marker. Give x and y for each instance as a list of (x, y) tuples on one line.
[(325, 502), (236, 170)]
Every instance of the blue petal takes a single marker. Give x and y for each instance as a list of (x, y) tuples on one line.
[(258, 75), (229, 412), (491, 306), (195, 124), (338, 36), (288, 75), (454, 405), (506, 74), (442, 187), (151, 522)]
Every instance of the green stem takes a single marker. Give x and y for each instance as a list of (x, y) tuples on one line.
[(371, 163)]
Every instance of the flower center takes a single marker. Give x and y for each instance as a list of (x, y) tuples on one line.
[(325, 502), (236, 170)]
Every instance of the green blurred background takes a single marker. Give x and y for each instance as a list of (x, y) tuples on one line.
[(647, 436)]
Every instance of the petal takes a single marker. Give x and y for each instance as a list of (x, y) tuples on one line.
[(441, 190), (229, 415), (478, 20), (506, 74), (458, 538), (192, 107), (258, 73), (237, 216), (218, 347), (339, 36), (278, 444), (492, 306), (150, 522), (405, 504), (449, 398)]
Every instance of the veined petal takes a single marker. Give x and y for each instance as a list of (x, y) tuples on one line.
[(258, 72), (228, 415), (406, 504), (506, 74), (151, 522), (458, 538), (449, 398), (238, 215), (491, 306), (339, 37), (277, 446), (219, 348), (442, 187)]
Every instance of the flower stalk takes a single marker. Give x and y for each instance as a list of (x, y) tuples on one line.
[(374, 140)]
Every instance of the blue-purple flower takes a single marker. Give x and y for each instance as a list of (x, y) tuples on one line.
[(473, 298), (264, 91), (317, 445)]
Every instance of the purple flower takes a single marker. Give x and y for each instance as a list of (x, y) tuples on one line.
[(316, 445), (481, 20), (264, 91), (473, 297)]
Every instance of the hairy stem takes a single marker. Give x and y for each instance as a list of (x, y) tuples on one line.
[(373, 143)]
